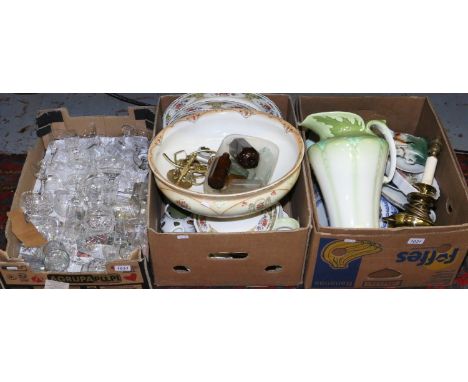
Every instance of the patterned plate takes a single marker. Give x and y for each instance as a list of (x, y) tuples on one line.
[(263, 221), (250, 100), (206, 105)]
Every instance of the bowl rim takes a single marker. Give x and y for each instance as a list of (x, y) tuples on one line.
[(247, 113)]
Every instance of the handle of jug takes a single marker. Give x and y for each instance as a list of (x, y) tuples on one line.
[(387, 134)]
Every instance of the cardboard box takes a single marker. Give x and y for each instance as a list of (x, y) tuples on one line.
[(14, 272), (231, 259), (396, 257)]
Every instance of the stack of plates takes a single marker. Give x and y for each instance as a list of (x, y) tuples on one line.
[(192, 103)]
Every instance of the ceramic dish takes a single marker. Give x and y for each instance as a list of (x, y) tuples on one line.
[(250, 100), (386, 209), (209, 129), (207, 105), (263, 221), (394, 196), (404, 182), (411, 152)]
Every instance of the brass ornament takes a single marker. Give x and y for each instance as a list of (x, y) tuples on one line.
[(417, 210), (190, 169)]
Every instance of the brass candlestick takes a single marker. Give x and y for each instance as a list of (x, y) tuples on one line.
[(417, 210)]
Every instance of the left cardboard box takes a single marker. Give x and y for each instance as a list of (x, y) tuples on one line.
[(14, 272)]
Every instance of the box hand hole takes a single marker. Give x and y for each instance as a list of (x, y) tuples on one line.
[(181, 269), (274, 268), (448, 206), (228, 255)]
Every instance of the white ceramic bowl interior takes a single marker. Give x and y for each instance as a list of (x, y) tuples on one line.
[(210, 128)]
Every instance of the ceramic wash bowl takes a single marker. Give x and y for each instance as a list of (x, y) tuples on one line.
[(209, 129)]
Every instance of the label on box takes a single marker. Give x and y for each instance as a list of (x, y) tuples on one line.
[(338, 261), (123, 268), (182, 237), (52, 284), (416, 240)]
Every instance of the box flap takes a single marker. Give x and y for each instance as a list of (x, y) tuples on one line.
[(25, 231)]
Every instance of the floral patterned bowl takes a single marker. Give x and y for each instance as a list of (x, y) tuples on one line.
[(209, 129)]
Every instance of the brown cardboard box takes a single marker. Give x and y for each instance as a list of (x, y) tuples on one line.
[(14, 272), (231, 259), (396, 257)]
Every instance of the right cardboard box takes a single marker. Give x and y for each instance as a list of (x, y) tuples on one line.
[(392, 257)]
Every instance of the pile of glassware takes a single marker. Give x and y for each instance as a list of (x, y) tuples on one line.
[(89, 202)]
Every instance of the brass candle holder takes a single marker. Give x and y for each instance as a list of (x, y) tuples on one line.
[(417, 210)]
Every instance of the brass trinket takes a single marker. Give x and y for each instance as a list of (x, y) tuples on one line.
[(189, 169), (417, 210)]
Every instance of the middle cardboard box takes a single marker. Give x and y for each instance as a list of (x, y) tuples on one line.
[(231, 259)]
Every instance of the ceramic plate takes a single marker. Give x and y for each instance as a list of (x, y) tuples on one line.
[(261, 222), (394, 196), (386, 209), (206, 105), (411, 152), (404, 182), (250, 100)]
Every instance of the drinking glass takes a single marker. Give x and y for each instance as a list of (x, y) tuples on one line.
[(52, 183), (56, 257), (125, 208), (47, 226), (36, 204), (111, 164), (61, 200), (98, 187), (99, 219)]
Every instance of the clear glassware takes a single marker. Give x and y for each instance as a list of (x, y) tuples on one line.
[(132, 140), (140, 158), (53, 183), (72, 227), (68, 138), (40, 172), (34, 257), (111, 164), (126, 208), (80, 161), (99, 197), (111, 253), (48, 226), (56, 257), (95, 265), (127, 132), (99, 219), (36, 204), (98, 188), (61, 200), (90, 131), (75, 209)]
